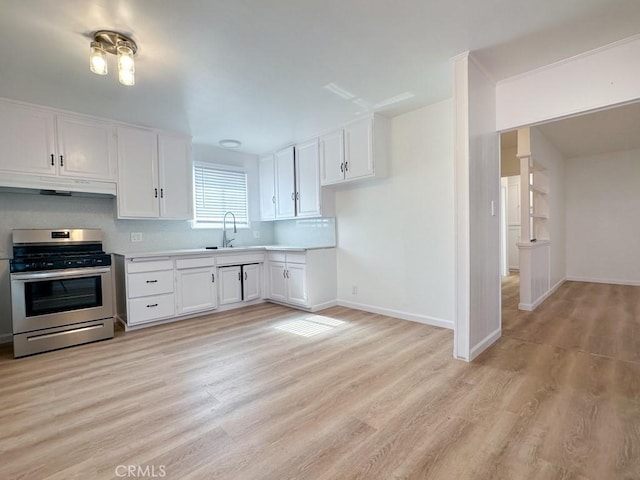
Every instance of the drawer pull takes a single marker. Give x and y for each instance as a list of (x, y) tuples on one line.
[(152, 281), (152, 305)]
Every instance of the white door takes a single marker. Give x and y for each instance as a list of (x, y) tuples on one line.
[(277, 281), (358, 141), (175, 177), (307, 171), (285, 182), (267, 188), (297, 284), (250, 282), (229, 285), (86, 148), (196, 290), (138, 190), (27, 139), (332, 158)]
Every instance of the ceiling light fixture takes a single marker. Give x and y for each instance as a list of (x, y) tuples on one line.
[(107, 41), (229, 143)]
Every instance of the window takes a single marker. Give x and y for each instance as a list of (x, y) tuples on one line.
[(219, 190)]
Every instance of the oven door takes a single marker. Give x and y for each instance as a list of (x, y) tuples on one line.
[(61, 297)]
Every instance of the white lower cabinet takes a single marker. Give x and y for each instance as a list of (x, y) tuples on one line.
[(151, 290), (303, 279), (149, 293), (288, 283), (195, 285), (251, 282), (239, 283), (278, 281), (230, 287)]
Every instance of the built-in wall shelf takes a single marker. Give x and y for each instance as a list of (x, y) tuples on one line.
[(535, 191)]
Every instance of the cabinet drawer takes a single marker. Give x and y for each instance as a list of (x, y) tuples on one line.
[(277, 257), (296, 257), (147, 309), (149, 283), (240, 258), (195, 262), (150, 265)]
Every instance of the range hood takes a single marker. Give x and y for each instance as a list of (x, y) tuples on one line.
[(13, 182)]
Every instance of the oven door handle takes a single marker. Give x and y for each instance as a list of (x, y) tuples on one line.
[(60, 274)]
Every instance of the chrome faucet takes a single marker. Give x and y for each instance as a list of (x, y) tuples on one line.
[(227, 242)]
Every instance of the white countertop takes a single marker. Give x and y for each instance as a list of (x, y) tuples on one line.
[(200, 251)]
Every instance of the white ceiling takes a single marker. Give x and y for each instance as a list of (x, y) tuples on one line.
[(255, 70), (611, 130)]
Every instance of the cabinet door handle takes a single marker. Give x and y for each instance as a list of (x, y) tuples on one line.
[(297, 195), (273, 199), (284, 274), (152, 305), (61, 161), (342, 167), (239, 276), (287, 273), (162, 193), (293, 196), (152, 281), (213, 278), (245, 275), (53, 162), (155, 192), (346, 166)]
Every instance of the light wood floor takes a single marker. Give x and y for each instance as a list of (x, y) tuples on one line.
[(229, 396)]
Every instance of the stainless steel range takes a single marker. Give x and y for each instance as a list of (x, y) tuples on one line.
[(61, 289)]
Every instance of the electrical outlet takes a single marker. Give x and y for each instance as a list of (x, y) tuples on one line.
[(256, 234), (354, 290), (136, 236)]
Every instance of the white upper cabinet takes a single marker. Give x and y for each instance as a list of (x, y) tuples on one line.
[(294, 173), (285, 183), (332, 157), (38, 141), (86, 148), (27, 139), (267, 188), (155, 175), (138, 190), (175, 176), (358, 151), (307, 170)]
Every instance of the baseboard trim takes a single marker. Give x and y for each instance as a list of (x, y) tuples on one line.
[(6, 338), (412, 317), (609, 281), (529, 307), (485, 343)]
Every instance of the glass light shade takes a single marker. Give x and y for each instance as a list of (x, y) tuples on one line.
[(126, 66), (126, 77), (97, 59)]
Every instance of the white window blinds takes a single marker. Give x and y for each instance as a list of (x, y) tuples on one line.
[(217, 191)]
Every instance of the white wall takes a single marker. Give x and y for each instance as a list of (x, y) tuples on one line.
[(484, 225), (603, 221), (509, 162), (395, 236), (594, 80), (548, 155)]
